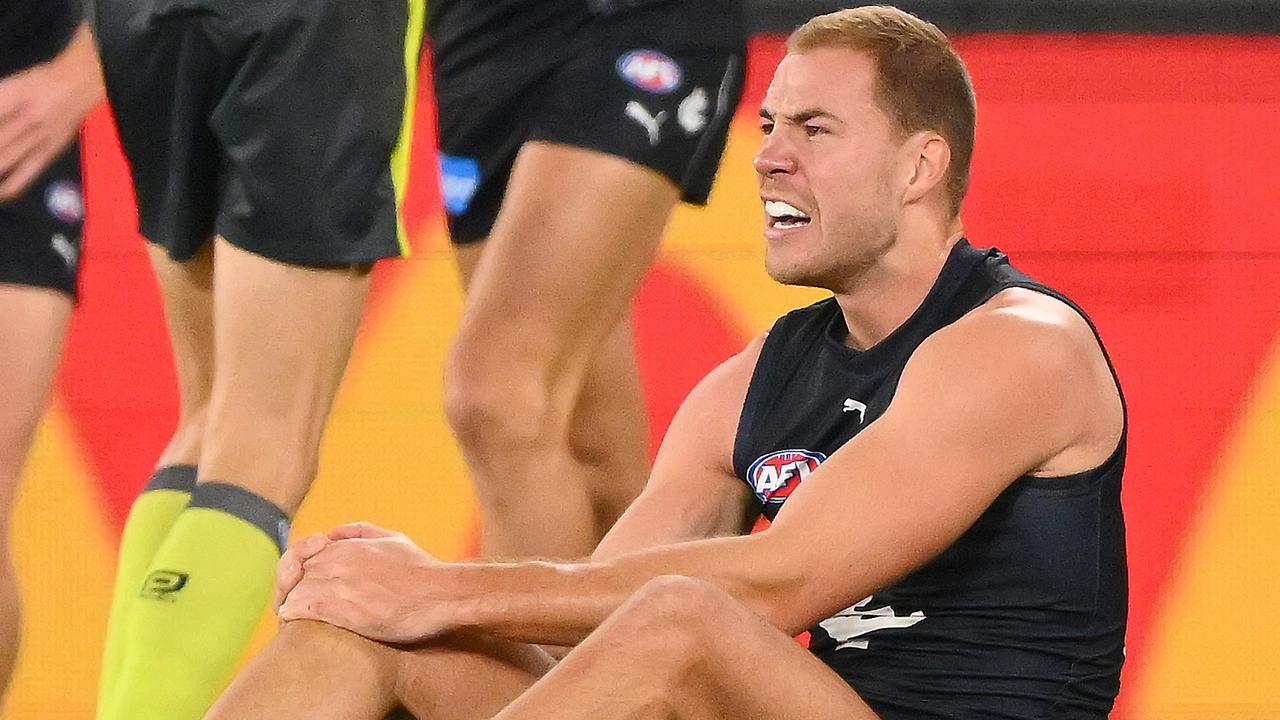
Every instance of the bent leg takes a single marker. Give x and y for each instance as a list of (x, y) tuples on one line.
[(550, 298), (317, 671), (33, 324), (682, 648)]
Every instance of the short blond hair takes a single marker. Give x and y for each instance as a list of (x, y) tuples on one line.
[(922, 84)]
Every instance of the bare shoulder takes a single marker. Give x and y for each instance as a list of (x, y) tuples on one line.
[(1017, 327), (1042, 353), (1037, 312)]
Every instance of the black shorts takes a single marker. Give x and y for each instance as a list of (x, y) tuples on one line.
[(619, 89), (276, 125), (40, 230)]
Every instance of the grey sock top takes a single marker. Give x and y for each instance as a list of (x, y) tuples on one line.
[(253, 509), (173, 477)]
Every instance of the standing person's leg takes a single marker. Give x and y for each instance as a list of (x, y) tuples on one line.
[(609, 429), (558, 274), (33, 323), (186, 289), (282, 336), (682, 648), (607, 446), (605, 449), (316, 671), (39, 258), (289, 148), (568, 177)]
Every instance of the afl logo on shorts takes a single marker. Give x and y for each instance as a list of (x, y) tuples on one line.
[(63, 200), (776, 475), (650, 70)]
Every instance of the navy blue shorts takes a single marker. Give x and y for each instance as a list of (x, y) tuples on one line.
[(40, 230), (617, 88)]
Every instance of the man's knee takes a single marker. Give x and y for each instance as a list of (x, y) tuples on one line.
[(495, 404), (321, 641), (677, 611)]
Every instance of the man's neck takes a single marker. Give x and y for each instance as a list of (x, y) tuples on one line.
[(888, 292)]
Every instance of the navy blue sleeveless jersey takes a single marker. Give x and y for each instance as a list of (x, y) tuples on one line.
[(1024, 615)]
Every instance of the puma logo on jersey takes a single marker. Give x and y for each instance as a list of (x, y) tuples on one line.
[(850, 627), (776, 475), (652, 124), (851, 405), (65, 249), (692, 113)]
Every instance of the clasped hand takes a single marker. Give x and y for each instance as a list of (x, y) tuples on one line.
[(363, 578)]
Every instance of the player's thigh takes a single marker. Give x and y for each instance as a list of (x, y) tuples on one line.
[(737, 648), (283, 332), (39, 255), (33, 323), (807, 689), (310, 201), (467, 677), (577, 230), (615, 138)]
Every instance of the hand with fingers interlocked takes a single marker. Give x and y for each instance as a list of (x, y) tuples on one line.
[(368, 580)]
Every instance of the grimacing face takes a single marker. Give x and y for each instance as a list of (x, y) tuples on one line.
[(826, 169)]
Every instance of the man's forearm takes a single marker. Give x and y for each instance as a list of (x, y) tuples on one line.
[(560, 604)]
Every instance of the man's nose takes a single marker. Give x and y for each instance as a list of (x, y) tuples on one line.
[(774, 157)]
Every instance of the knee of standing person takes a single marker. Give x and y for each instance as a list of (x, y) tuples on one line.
[(494, 408), (590, 447)]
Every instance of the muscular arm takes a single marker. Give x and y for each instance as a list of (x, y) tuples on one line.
[(889, 500), (692, 492)]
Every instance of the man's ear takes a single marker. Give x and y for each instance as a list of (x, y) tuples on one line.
[(929, 156)]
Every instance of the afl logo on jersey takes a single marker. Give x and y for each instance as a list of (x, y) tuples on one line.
[(64, 202), (650, 70), (776, 475)]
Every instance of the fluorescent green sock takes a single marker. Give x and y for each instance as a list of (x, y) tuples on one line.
[(198, 605), (153, 512)]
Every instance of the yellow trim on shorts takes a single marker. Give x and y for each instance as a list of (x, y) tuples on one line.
[(400, 156)]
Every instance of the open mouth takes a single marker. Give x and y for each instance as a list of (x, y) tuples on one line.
[(785, 216)]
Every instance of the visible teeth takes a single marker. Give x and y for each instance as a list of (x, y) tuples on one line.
[(788, 224), (778, 209)]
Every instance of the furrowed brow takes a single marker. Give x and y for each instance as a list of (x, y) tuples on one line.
[(807, 114), (799, 118)]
